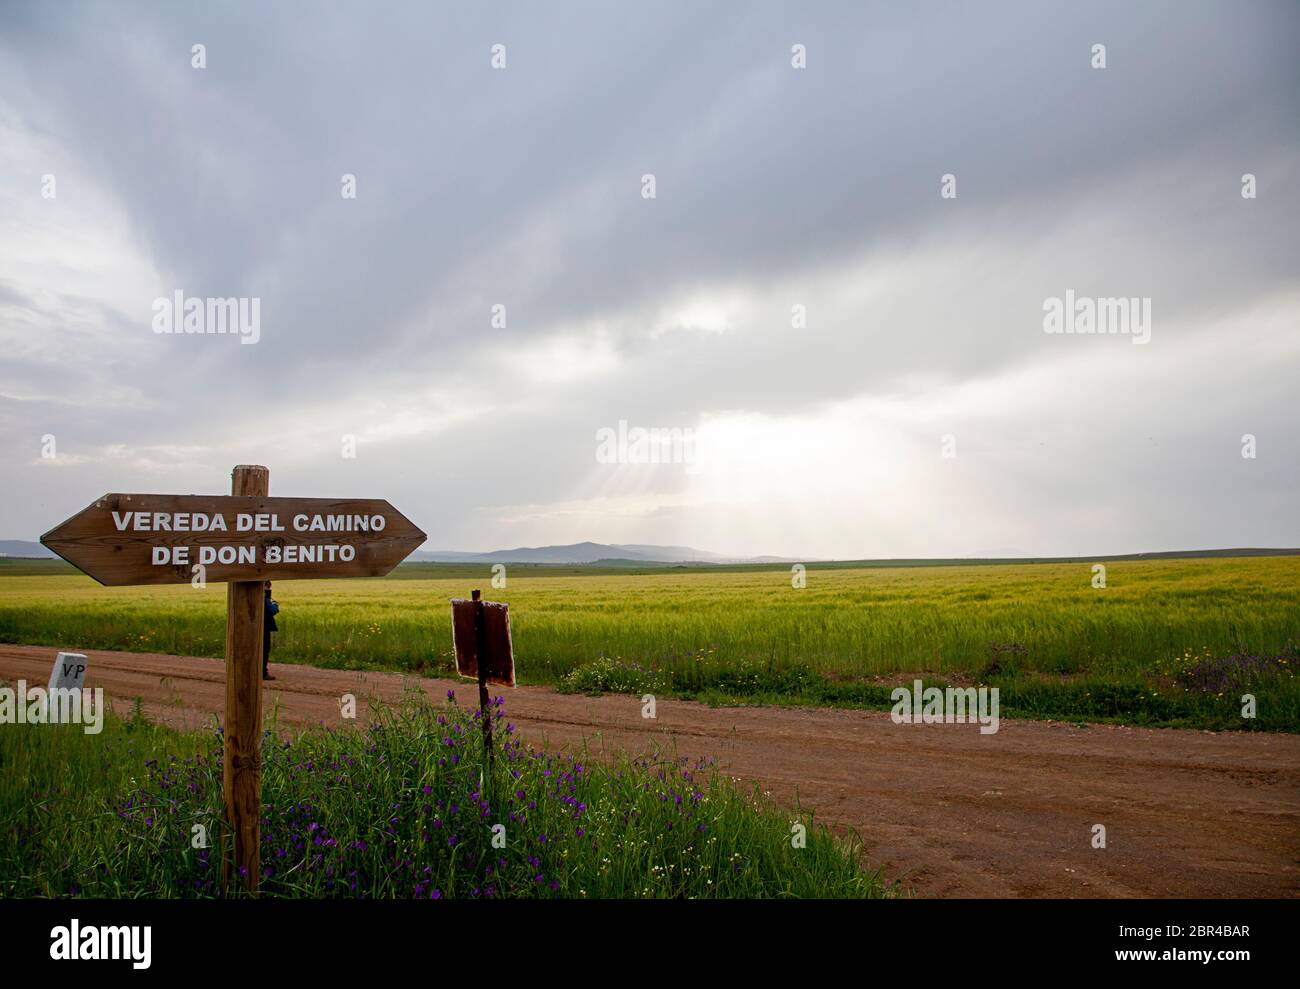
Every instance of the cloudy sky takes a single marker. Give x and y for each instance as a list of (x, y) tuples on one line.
[(918, 408)]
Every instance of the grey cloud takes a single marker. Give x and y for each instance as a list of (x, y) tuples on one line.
[(521, 187)]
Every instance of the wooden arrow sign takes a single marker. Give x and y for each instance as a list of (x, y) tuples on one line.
[(243, 538), (166, 539)]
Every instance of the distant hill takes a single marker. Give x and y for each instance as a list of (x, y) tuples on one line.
[(627, 555), (25, 550), (588, 553)]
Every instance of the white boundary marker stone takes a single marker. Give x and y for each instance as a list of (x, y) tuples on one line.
[(69, 673)]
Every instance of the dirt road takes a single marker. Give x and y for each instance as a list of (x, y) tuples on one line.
[(948, 811)]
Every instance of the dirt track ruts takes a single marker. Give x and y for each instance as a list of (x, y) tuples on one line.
[(948, 811)]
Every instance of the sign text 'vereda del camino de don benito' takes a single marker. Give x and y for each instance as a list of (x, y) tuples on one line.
[(160, 539), (242, 539)]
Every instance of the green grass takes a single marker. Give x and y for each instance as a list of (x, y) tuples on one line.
[(1054, 645), (396, 811)]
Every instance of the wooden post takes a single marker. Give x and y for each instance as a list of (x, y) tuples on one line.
[(480, 657), (243, 730)]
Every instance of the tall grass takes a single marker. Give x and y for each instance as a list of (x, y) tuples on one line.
[(403, 809)]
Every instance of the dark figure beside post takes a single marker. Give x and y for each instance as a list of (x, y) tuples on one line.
[(268, 626)]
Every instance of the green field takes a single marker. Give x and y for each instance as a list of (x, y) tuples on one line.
[(1167, 642)]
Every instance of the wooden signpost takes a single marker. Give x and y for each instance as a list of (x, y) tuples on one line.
[(480, 634), (243, 539)]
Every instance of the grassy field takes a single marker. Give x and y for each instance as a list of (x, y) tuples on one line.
[(1165, 642), (399, 810)]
